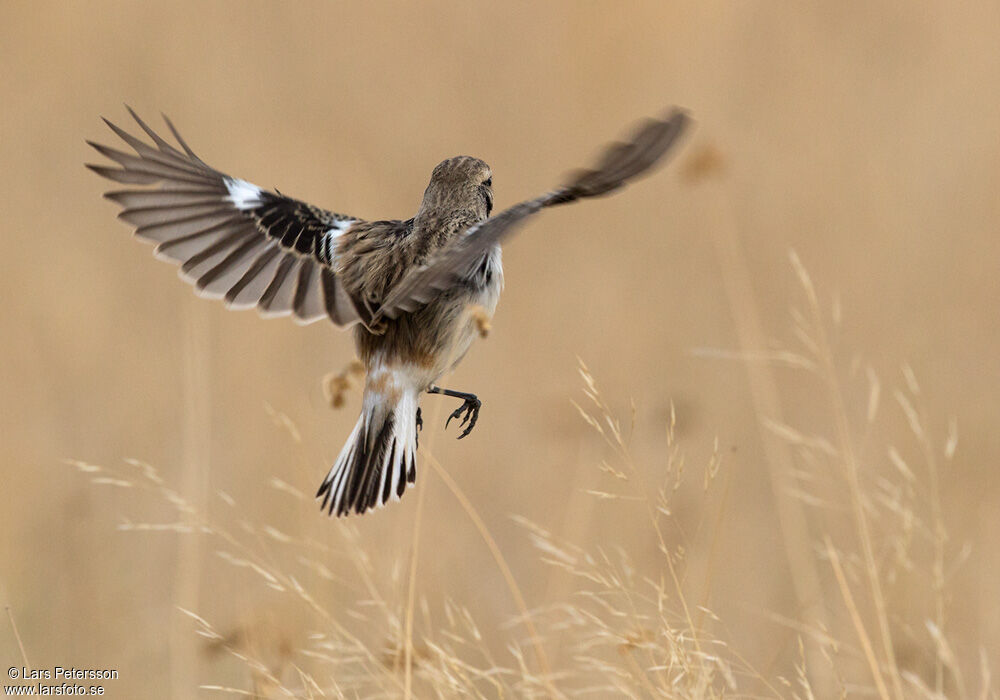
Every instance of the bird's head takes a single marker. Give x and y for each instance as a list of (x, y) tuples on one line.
[(460, 184)]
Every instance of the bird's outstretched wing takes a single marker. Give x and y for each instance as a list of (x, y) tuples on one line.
[(619, 163), (233, 240)]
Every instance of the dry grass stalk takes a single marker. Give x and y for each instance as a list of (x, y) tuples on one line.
[(17, 636), (629, 623)]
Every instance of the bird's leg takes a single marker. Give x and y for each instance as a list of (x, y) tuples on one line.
[(470, 408)]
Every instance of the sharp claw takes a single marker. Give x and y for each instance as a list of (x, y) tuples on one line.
[(468, 412), (471, 416), (454, 414), (467, 430)]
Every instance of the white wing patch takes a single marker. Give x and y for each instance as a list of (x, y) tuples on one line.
[(244, 195), (331, 236), (341, 226)]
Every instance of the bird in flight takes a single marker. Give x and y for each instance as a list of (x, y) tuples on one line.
[(406, 287)]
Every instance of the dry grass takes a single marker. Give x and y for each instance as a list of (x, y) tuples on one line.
[(631, 625)]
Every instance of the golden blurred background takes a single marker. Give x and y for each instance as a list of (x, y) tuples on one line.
[(862, 135)]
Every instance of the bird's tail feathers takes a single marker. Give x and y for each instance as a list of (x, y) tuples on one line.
[(378, 462)]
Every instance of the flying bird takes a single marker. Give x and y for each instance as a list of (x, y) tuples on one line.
[(406, 287)]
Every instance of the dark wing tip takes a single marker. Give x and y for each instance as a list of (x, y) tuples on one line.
[(675, 123), (650, 140), (680, 114)]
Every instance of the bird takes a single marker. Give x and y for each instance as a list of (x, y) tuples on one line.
[(406, 287)]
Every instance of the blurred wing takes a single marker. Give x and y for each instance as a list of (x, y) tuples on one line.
[(233, 240), (619, 163)]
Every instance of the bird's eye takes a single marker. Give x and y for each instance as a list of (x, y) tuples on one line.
[(488, 181)]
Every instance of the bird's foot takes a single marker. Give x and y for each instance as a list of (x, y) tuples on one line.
[(420, 420), (470, 409)]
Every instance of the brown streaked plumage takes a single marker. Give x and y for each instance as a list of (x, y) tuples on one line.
[(405, 286)]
